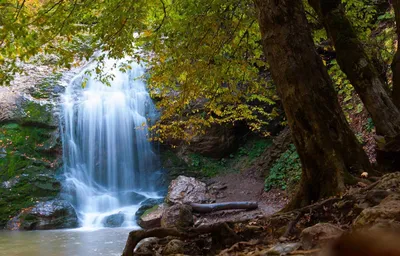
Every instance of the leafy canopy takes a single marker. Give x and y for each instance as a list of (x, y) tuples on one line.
[(204, 57)]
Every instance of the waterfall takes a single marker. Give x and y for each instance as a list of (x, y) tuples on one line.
[(110, 166)]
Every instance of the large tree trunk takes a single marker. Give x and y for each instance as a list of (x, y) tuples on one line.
[(363, 75), (396, 59), (326, 145)]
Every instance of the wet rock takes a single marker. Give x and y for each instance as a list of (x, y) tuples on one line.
[(217, 142), (177, 216), (147, 246), (186, 190), (387, 210), (174, 247), (114, 220), (52, 214), (147, 204), (151, 218), (134, 198), (319, 234), (283, 249)]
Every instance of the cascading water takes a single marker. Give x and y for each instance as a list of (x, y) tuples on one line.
[(109, 164)]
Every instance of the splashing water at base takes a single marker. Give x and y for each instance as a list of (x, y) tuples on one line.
[(109, 164)]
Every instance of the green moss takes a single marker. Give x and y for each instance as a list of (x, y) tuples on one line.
[(26, 173), (44, 89), (23, 192), (286, 171), (37, 114), (19, 145), (150, 210)]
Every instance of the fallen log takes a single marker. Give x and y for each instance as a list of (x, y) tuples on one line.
[(206, 208)]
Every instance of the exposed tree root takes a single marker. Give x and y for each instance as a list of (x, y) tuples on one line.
[(221, 229)]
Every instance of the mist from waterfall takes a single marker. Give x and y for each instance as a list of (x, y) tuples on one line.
[(110, 166)]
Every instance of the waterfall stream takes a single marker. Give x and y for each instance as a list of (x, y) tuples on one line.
[(109, 164)]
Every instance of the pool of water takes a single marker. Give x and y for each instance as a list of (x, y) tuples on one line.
[(72, 242)]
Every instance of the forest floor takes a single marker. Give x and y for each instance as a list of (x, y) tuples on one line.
[(247, 185)]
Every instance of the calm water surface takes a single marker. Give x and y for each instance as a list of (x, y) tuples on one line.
[(72, 242)]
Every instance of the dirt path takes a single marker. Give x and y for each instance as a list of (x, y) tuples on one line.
[(243, 186)]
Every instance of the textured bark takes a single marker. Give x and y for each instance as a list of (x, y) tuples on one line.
[(218, 229), (205, 208), (326, 145), (359, 68), (396, 59)]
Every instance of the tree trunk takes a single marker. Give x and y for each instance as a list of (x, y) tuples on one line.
[(396, 59), (363, 75), (326, 145)]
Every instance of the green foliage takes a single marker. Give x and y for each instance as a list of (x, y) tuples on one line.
[(369, 126), (207, 166), (360, 138), (286, 171), (254, 150), (204, 58)]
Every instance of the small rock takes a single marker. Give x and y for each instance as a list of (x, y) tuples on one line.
[(151, 218), (147, 204), (146, 246), (174, 247), (186, 190), (282, 239), (283, 249), (114, 220), (179, 216), (319, 234), (361, 184)]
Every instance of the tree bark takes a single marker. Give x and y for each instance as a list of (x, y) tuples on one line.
[(363, 75), (326, 145), (396, 59), (218, 229)]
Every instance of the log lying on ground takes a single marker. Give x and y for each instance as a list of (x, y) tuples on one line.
[(136, 236), (205, 208)]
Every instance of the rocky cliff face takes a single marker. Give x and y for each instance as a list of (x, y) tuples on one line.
[(30, 144)]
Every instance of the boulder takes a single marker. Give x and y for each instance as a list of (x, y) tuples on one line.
[(186, 190), (177, 216), (147, 204), (114, 220), (53, 214), (387, 210), (151, 218), (174, 247), (319, 234)]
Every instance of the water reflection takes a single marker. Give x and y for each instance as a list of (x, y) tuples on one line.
[(75, 242)]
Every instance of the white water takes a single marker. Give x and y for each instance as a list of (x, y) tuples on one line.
[(108, 160)]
